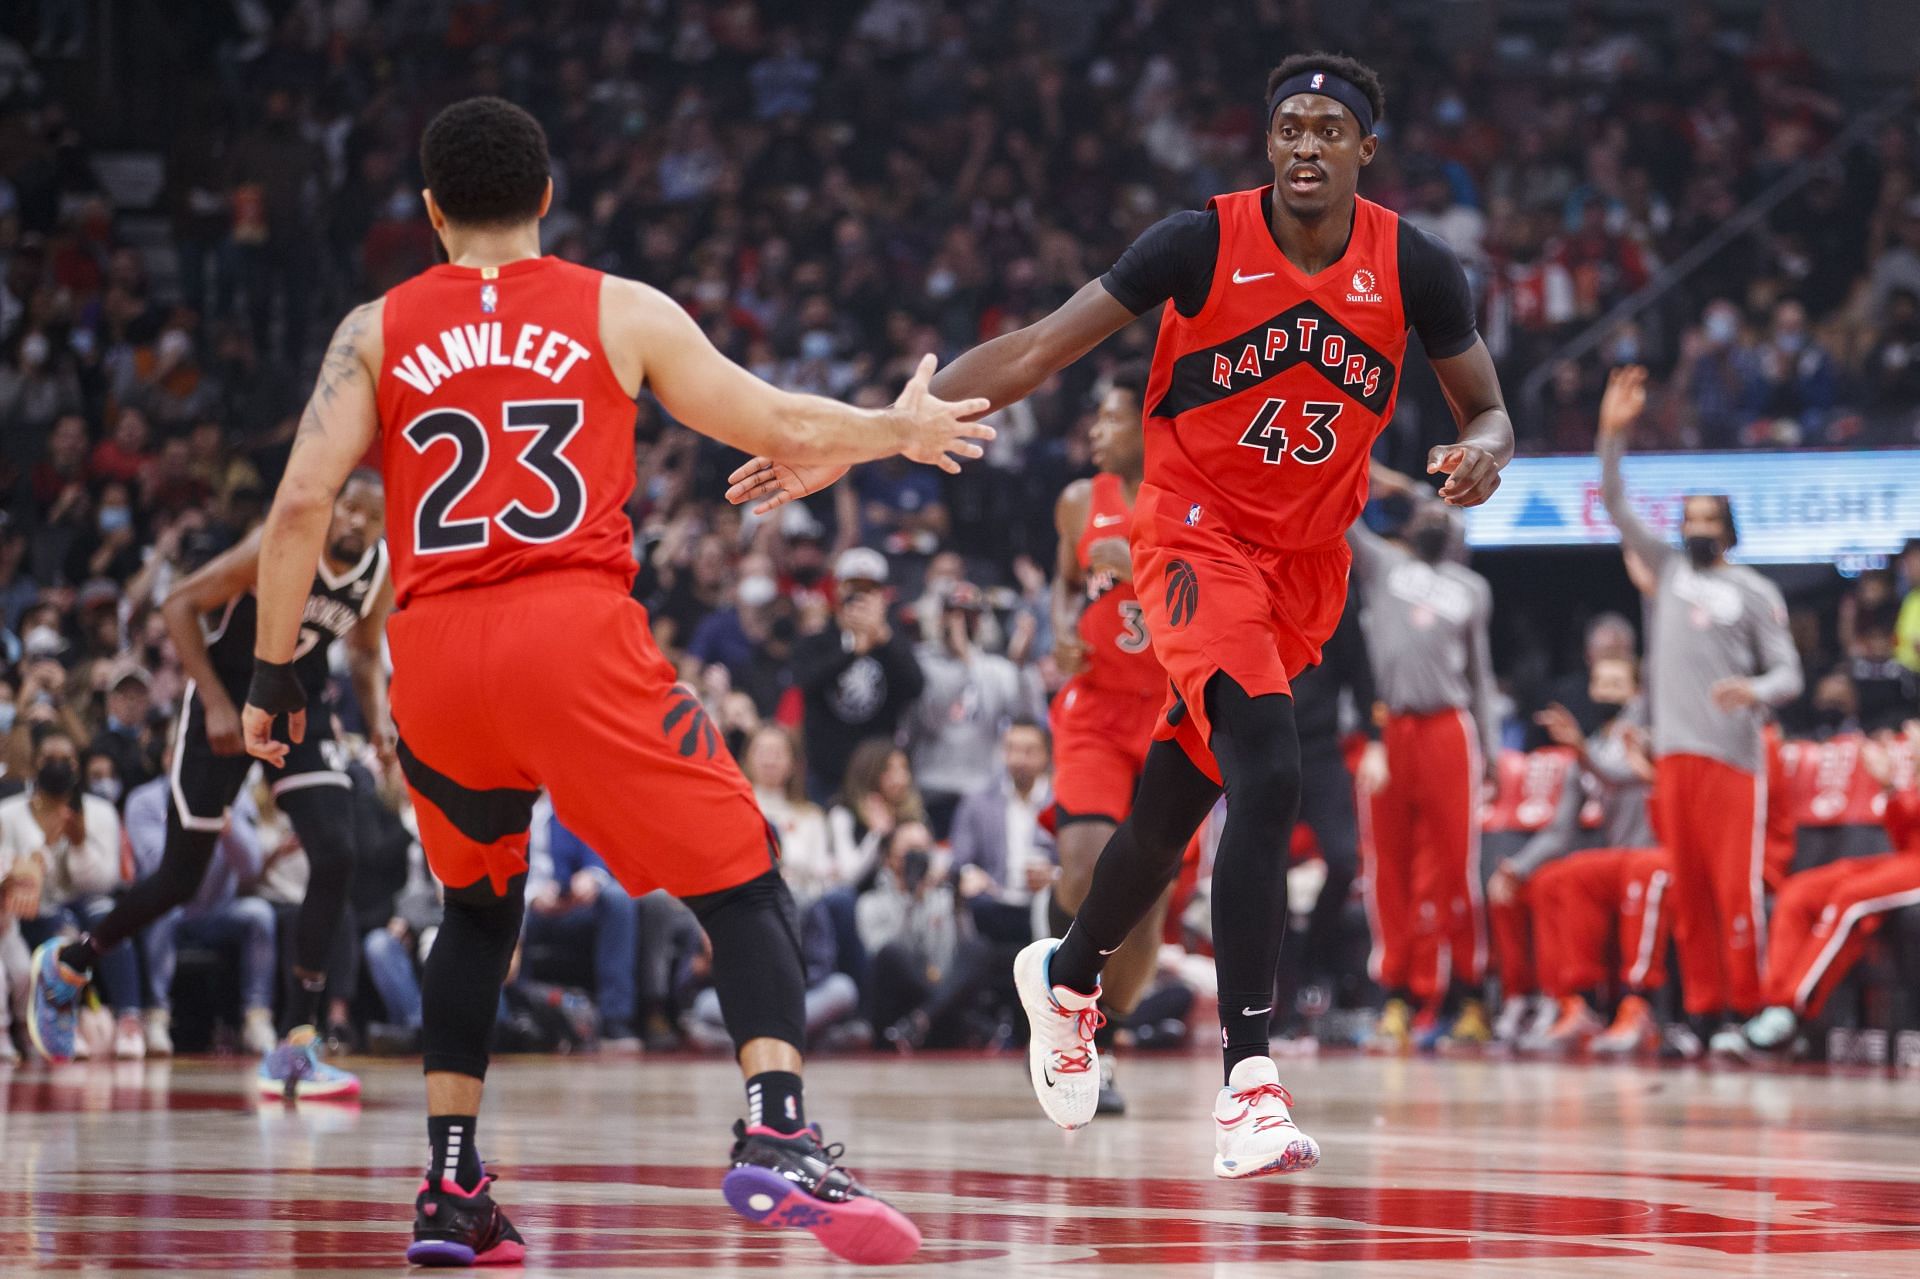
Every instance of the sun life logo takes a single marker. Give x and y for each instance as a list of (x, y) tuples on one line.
[(1365, 287)]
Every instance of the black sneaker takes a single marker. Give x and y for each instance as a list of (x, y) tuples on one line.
[(794, 1181), (455, 1227), (1111, 1101)]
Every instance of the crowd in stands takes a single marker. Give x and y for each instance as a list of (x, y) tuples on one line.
[(830, 199)]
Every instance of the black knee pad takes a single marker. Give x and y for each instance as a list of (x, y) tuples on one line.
[(758, 971), (460, 989)]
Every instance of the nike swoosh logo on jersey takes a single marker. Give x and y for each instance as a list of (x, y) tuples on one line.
[(1248, 279), (1255, 1012), (1106, 521)]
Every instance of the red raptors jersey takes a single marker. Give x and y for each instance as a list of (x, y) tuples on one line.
[(1263, 407), (507, 441), (1119, 654)]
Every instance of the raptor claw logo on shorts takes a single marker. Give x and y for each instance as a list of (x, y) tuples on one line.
[(1183, 593), (688, 727)]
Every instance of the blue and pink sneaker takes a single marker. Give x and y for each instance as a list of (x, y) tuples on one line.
[(455, 1227), (293, 1071), (793, 1181), (56, 1003)]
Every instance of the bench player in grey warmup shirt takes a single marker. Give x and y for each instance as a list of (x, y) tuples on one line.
[(1719, 655), (1425, 619)]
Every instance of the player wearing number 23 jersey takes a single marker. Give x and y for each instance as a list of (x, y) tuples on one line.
[(509, 460), (501, 388)]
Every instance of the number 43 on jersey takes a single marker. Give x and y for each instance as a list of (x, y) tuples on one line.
[(1267, 434)]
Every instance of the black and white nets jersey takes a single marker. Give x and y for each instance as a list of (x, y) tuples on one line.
[(335, 605)]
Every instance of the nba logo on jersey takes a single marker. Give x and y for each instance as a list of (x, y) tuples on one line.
[(1193, 515), (489, 298), (1319, 79)]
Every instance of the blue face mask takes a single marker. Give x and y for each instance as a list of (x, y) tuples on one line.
[(115, 519), (7, 713)]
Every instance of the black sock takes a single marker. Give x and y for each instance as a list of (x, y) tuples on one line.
[(1246, 1023), (1103, 1037), (80, 954), (453, 1150), (1141, 858), (773, 1101), (1076, 962)]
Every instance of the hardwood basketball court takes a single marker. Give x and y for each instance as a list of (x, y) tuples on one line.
[(1433, 1168)]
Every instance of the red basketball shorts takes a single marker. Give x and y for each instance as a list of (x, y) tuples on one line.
[(553, 682), (1215, 603), (1100, 740)]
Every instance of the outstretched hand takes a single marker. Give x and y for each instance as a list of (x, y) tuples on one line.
[(932, 430), (775, 484), (1624, 401), (935, 431)]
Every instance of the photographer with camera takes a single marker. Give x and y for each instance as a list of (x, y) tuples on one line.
[(926, 964)]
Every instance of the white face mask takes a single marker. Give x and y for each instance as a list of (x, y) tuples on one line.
[(757, 590)]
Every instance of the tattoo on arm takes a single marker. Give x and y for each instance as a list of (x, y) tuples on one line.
[(340, 368)]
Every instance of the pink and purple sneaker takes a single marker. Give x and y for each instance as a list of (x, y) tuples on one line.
[(794, 1181), (455, 1227)]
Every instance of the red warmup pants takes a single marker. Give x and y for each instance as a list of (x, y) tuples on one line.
[(1510, 926), (1822, 919), (1421, 841), (1587, 904), (1712, 821)]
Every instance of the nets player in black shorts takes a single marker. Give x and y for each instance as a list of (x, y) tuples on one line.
[(210, 617)]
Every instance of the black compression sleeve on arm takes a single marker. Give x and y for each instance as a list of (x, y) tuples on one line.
[(1172, 259), (1434, 287)]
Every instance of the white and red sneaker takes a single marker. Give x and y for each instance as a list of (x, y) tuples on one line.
[(1253, 1129), (1061, 1057)]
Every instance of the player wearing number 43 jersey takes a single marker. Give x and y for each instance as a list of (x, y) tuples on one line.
[(1276, 366), (501, 387)]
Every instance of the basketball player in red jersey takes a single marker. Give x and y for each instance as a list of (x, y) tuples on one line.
[(1103, 719), (501, 387), (1275, 370)]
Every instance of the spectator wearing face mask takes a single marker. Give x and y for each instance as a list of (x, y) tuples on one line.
[(859, 675), (752, 637), (1791, 379), (971, 696), (35, 389), (123, 738), (1711, 381), (60, 850)]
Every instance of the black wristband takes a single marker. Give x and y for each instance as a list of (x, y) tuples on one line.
[(275, 689)]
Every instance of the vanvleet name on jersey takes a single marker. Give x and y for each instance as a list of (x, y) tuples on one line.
[(485, 345)]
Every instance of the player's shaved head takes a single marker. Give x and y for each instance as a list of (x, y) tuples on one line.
[(485, 161)]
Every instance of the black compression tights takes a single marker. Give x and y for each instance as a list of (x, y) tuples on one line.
[(1258, 750), (322, 817), (460, 989)]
